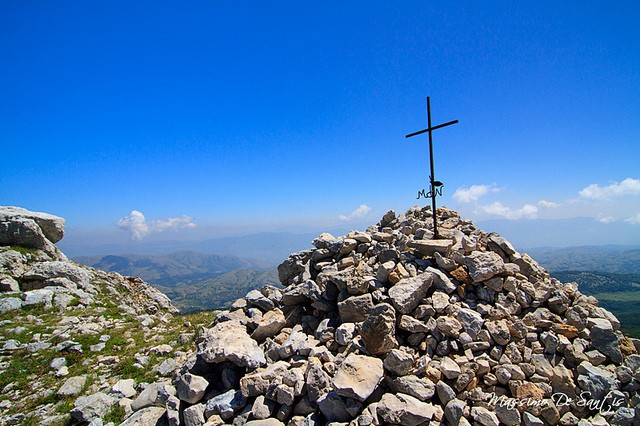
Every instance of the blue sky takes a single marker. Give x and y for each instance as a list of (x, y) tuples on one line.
[(158, 119)]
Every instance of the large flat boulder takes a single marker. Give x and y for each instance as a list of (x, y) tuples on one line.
[(229, 341), (52, 227), (358, 376)]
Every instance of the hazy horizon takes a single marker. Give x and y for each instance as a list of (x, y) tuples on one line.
[(524, 234)]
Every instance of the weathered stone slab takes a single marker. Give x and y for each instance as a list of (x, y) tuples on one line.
[(404, 409), (229, 341), (379, 330), (430, 247), (358, 376), (484, 265), (52, 226), (408, 293), (355, 308)]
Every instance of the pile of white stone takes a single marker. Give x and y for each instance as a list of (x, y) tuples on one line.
[(391, 326)]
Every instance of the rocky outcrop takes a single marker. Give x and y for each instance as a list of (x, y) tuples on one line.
[(29, 229), (389, 326), (34, 272)]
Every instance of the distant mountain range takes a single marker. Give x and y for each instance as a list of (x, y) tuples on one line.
[(610, 258), (269, 248), (172, 269)]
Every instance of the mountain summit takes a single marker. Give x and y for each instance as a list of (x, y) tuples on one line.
[(390, 326), (386, 326)]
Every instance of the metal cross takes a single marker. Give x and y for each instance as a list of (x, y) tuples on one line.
[(436, 186)]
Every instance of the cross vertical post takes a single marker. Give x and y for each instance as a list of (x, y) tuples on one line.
[(435, 187), (432, 175)]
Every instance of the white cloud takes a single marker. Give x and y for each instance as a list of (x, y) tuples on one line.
[(528, 211), (138, 226), (606, 219), (629, 186), (473, 193), (174, 223), (548, 204), (634, 220), (134, 223), (358, 213)]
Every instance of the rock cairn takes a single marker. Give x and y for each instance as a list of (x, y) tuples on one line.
[(390, 326)]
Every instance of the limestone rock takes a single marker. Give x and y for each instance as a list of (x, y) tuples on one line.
[(378, 330), (10, 304), (484, 265), (225, 404), (404, 409), (407, 293), (270, 324), (43, 272), (229, 341), (144, 417), (125, 387), (72, 386), (419, 387), (88, 408), (358, 376), (334, 408), (155, 394), (595, 380), (355, 308), (430, 247), (605, 340), (484, 417), (52, 226), (259, 381), (24, 228), (191, 388)]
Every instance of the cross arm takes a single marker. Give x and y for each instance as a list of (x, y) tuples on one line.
[(439, 126)]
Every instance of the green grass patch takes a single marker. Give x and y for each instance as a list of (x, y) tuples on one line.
[(24, 250), (116, 415), (35, 310), (126, 340)]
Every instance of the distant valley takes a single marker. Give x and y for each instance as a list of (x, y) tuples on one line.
[(172, 269), (194, 281), (220, 291)]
